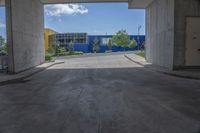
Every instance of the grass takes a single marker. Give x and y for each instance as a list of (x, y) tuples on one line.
[(141, 54), (49, 56), (70, 53)]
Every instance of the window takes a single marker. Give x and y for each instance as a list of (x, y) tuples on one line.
[(104, 41)]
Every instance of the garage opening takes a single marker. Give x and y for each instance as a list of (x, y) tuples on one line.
[(79, 29), (3, 42)]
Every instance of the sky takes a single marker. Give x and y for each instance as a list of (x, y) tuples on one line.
[(2, 22), (95, 19)]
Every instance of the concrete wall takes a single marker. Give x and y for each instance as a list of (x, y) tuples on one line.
[(25, 24), (160, 33), (2, 2), (183, 8)]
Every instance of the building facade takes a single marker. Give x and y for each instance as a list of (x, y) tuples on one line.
[(104, 39), (64, 39), (84, 42), (47, 33)]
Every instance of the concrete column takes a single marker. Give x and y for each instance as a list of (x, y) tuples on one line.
[(2, 2), (160, 33), (25, 35), (166, 31)]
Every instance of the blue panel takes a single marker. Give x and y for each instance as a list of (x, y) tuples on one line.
[(82, 47), (88, 48), (139, 39)]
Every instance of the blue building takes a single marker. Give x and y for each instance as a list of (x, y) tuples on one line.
[(84, 42), (103, 41)]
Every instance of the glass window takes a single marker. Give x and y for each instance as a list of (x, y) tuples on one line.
[(104, 41)]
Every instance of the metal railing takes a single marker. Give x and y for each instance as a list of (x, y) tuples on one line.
[(3, 63)]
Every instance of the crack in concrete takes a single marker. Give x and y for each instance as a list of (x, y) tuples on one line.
[(99, 123)]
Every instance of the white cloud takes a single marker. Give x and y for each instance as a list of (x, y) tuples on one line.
[(65, 9), (2, 25)]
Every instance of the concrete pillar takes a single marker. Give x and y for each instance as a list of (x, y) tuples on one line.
[(2, 2), (25, 36), (160, 33), (165, 31)]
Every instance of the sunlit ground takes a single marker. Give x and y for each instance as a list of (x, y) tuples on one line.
[(97, 62)]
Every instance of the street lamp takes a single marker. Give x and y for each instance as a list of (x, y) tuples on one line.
[(139, 28)]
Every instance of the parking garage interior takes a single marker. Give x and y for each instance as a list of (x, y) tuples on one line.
[(104, 94)]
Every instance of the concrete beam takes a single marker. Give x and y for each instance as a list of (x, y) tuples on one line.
[(79, 1), (132, 3), (139, 4), (25, 34)]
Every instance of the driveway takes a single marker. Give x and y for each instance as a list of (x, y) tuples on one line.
[(101, 94)]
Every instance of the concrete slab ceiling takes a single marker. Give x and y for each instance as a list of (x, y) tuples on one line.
[(80, 1), (132, 3), (139, 4)]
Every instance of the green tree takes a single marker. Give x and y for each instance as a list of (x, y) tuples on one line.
[(96, 46), (132, 44), (121, 38), (71, 47), (2, 41), (110, 44), (3, 46)]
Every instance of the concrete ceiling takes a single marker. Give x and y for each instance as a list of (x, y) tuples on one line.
[(80, 1), (141, 4)]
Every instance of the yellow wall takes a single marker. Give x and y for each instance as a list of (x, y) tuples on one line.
[(47, 33)]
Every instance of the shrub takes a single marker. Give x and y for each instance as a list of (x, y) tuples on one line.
[(70, 53), (110, 44), (71, 47), (48, 57), (61, 50), (51, 51), (96, 47), (4, 49), (76, 53), (63, 53)]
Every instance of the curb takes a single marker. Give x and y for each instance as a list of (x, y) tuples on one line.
[(180, 76), (134, 60), (23, 78), (56, 63), (163, 72), (92, 55)]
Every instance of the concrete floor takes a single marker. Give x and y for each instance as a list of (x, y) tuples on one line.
[(103, 94)]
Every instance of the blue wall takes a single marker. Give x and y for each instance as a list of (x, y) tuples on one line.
[(82, 47), (88, 48)]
